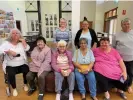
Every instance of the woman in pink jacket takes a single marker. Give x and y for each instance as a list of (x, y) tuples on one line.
[(62, 64), (39, 67)]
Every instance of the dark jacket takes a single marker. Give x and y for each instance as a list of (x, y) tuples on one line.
[(93, 36)]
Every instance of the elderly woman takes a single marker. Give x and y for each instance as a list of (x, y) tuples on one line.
[(83, 60), (87, 33), (15, 59), (39, 67), (63, 67), (62, 33), (123, 42), (109, 68)]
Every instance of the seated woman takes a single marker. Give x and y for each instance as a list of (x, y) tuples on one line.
[(39, 67), (63, 67), (83, 60), (15, 60), (109, 68)]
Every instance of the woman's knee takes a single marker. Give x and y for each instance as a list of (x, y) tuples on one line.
[(29, 76)]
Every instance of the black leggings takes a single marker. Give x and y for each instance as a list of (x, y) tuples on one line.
[(129, 67), (12, 71), (104, 82)]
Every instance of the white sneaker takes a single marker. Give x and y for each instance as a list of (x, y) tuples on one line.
[(26, 87), (15, 92), (71, 96), (58, 96)]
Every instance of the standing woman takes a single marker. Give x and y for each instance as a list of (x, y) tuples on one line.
[(87, 33), (62, 33), (15, 60), (123, 42)]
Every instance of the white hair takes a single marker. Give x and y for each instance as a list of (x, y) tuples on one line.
[(61, 42), (10, 34)]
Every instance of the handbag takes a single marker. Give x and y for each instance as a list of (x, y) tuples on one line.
[(84, 66)]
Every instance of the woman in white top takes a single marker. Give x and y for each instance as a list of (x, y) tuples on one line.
[(14, 50)]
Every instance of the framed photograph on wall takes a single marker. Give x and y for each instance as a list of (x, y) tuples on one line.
[(55, 19), (47, 32), (51, 30), (50, 17), (32, 25), (37, 25), (46, 19)]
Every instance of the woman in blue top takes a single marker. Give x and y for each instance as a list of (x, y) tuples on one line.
[(87, 33), (83, 61), (62, 33)]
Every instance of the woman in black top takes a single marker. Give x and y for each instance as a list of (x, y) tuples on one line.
[(87, 33)]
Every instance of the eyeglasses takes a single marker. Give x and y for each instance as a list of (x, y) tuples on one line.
[(62, 46)]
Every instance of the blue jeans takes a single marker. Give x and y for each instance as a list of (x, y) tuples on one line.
[(80, 78)]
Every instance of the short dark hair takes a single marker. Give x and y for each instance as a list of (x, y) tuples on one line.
[(104, 39), (41, 38)]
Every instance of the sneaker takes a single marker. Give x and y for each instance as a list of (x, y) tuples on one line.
[(26, 87), (40, 97), (15, 92), (71, 96), (58, 96), (31, 91)]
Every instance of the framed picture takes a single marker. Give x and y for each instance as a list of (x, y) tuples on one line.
[(32, 25), (37, 25), (46, 20), (51, 22), (51, 30), (50, 17), (47, 32)]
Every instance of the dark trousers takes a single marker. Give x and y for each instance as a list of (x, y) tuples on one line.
[(41, 80), (12, 71), (104, 82), (129, 67)]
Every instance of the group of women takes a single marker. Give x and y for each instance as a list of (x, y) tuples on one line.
[(98, 65)]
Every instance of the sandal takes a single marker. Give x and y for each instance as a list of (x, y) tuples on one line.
[(123, 96), (83, 98), (106, 98), (130, 90), (93, 98)]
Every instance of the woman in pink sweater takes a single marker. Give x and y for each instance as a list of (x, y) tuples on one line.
[(63, 67), (39, 67)]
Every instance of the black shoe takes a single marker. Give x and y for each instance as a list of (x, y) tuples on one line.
[(31, 91), (40, 97)]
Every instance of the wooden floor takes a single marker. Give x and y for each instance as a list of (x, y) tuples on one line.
[(48, 96)]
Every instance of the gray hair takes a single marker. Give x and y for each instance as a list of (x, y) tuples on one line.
[(10, 34), (83, 39), (126, 20), (63, 19)]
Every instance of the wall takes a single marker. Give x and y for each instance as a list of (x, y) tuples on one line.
[(48, 7), (128, 6), (88, 9), (99, 16), (12, 6), (108, 5)]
